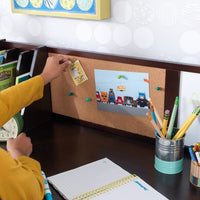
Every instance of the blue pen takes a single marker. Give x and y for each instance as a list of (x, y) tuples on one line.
[(47, 191), (192, 155)]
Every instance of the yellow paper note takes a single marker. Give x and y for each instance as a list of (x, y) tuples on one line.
[(77, 73)]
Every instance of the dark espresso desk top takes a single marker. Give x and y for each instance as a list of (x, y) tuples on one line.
[(61, 145)]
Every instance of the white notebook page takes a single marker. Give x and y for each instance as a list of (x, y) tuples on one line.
[(89, 177)]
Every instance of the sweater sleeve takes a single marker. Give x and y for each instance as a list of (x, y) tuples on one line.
[(20, 178), (13, 99)]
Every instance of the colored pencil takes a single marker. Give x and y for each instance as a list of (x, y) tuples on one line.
[(154, 125), (153, 116), (187, 124), (165, 122), (172, 119), (156, 113)]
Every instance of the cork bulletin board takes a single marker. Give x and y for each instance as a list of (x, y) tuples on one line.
[(70, 100)]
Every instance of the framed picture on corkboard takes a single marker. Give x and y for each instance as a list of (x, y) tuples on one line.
[(83, 9)]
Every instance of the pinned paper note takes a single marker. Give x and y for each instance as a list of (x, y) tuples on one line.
[(77, 73)]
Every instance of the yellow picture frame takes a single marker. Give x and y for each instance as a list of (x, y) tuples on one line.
[(82, 9)]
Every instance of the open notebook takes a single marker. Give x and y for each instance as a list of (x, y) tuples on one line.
[(102, 180)]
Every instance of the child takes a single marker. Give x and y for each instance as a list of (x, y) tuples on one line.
[(20, 175)]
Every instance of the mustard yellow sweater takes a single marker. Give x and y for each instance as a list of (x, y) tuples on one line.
[(20, 179)]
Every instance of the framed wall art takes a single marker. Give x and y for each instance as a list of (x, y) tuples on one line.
[(83, 9)]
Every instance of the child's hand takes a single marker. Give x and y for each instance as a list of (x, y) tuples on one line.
[(19, 146), (55, 65)]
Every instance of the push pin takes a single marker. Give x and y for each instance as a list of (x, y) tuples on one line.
[(72, 64), (70, 94), (88, 99), (157, 88), (122, 76)]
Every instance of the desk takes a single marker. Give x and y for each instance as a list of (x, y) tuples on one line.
[(61, 145)]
